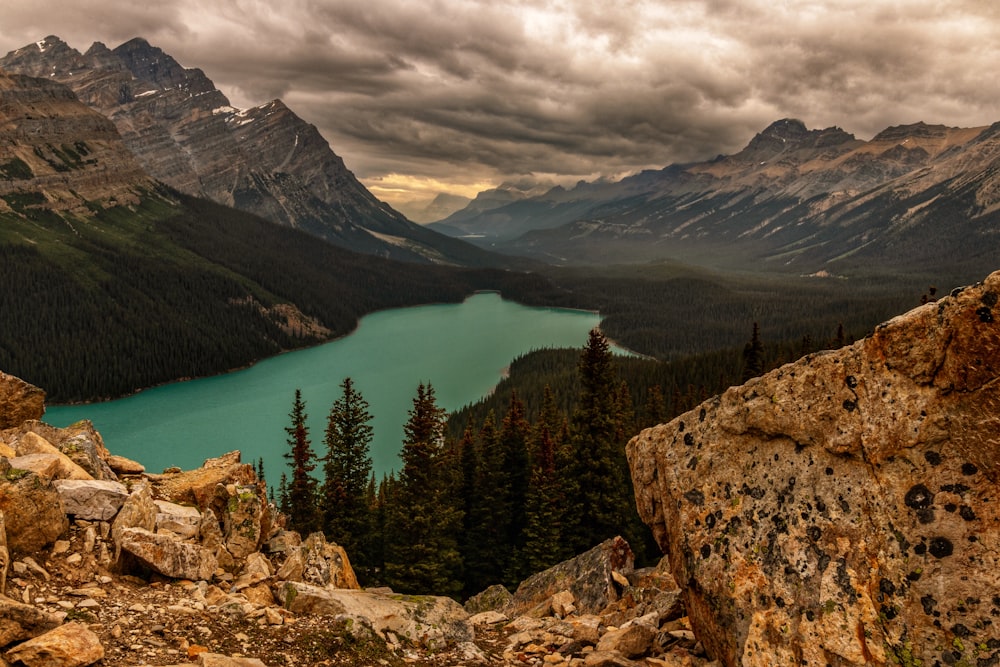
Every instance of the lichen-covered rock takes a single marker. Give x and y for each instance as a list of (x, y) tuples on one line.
[(33, 511), (244, 509), (841, 510), (79, 441), (198, 487), (327, 564), (590, 577), (19, 401), (494, 598)]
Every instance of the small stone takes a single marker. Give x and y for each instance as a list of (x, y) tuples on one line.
[(74, 559), (60, 547), (194, 650)]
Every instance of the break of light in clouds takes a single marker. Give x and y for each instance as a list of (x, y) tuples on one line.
[(459, 95)]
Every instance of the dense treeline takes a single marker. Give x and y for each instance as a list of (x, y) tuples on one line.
[(101, 307), (670, 311), (660, 390), (510, 497)]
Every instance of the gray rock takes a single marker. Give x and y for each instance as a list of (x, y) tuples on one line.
[(169, 556), (424, 620), (180, 520), (589, 577), (91, 500)]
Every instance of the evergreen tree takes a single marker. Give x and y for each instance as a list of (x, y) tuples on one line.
[(347, 469), (840, 339), (375, 540), (753, 356), (543, 545), (468, 462), (422, 521), (514, 434), (597, 499), (302, 509), (283, 504), (486, 550), (655, 410)]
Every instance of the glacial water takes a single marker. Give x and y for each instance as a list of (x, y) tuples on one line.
[(461, 349)]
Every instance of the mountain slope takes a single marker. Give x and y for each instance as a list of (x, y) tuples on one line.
[(264, 160), (130, 284), (793, 199)]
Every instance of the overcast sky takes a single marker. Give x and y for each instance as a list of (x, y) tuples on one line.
[(461, 95)]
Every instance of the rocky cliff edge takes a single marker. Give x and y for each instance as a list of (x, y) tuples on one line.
[(842, 509)]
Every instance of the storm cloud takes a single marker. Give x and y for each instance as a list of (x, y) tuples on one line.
[(461, 95)]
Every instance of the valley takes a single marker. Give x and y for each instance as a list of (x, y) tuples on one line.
[(811, 317)]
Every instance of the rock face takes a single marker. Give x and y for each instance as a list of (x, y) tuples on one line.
[(841, 510), (59, 155), (265, 160), (19, 401)]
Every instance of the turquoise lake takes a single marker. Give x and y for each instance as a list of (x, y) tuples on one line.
[(462, 350)]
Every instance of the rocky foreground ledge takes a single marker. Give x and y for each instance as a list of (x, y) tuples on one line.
[(104, 563), (843, 509)]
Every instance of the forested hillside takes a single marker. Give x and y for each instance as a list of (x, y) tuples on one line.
[(103, 306)]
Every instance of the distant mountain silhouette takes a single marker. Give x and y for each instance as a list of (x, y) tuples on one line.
[(793, 199)]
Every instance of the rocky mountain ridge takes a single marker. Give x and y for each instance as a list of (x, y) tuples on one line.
[(265, 160), (793, 199), (58, 155)]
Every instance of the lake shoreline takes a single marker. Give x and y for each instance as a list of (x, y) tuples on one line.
[(352, 331), (459, 348)]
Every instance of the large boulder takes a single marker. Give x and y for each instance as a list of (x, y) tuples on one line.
[(23, 621), (841, 510), (70, 645), (33, 510), (19, 401), (79, 441), (169, 556), (590, 577), (198, 487), (91, 499), (242, 516), (424, 620)]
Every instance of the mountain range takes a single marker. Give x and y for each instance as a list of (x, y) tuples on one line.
[(265, 160), (111, 281), (793, 199)]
